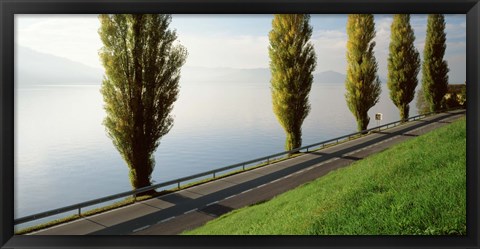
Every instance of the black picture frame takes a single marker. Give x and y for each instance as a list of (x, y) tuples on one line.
[(8, 8)]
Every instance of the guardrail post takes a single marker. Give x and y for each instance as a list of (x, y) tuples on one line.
[(79, 211), (243, 166), (178, 184), (134, 197), (213, 174)]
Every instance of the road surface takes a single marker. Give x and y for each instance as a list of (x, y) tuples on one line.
[(193, 207)]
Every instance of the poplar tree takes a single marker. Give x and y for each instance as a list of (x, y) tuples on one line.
[(292, 62), (435, 68), (362, 83), (403, 64), (142, 70)]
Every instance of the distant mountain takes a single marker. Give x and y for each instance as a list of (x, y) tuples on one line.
[(335, 77), (329, 77), (34, 67), (256, 75), (224, 75)]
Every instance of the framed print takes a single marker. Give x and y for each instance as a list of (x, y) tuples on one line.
[(239, 124)]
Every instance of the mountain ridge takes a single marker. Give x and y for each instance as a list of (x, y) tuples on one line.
[(33, 68), (41, 68), (253, 75)]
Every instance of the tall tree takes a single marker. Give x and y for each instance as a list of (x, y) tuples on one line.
[(362, 83), (292, 62), (435, 68), (142, 70), (403, 64)]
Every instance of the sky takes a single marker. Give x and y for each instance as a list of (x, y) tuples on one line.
[(233, 41)]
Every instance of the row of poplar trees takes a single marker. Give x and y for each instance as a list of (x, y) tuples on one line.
[(293, 60), (142, 70)]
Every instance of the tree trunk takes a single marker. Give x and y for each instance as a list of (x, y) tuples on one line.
[(140, 175), (404, 110), (362, 121), (294, 140)]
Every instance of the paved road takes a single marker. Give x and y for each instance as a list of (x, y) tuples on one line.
[(193, 207)]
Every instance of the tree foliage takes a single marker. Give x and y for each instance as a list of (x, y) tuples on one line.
[(403, 64), (435, 68), (142, 70), (292, 62), (362, 83)]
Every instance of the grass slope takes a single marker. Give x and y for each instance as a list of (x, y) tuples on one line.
[(416, 187)]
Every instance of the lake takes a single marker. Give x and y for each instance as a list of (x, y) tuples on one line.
[(63, 155)]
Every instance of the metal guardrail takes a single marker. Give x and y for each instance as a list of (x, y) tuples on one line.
[(213, 172)]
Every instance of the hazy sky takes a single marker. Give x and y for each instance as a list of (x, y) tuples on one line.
[(237, 41)]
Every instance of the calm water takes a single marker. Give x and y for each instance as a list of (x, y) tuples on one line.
[(63, 156)]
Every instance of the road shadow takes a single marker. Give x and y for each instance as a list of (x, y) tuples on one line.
[(215, 210), (175, 198)]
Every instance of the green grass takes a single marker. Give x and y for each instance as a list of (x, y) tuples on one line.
[(414, 188)]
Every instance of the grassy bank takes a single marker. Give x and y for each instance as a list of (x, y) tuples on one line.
[(417, 187)]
